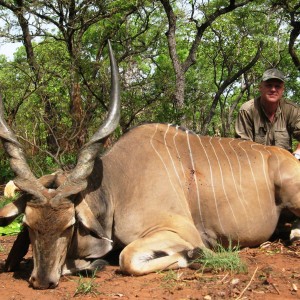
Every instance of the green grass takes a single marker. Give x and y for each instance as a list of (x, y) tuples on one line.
[(86, 285), (171, 279), (14, 227), (221, 259), (171, 275)]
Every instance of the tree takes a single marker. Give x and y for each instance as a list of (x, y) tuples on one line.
[(196, 75), (65, 25), (211, 14)]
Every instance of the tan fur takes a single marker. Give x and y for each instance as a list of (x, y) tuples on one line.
[(59, 243), (45, 241), (162, 192)]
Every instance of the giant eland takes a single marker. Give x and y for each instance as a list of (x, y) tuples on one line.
[(160, 193)]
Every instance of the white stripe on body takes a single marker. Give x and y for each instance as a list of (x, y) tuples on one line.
[(264, 166), (238, 187), (279, 170), (254, 179), (211, 179), (237, 190), (195, 177), (173, 164), (167, 170), (222, 179), (178, 154)]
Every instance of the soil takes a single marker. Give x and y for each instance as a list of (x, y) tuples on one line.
[(273, 272)]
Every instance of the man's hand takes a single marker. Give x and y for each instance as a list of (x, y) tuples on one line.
[(297, 155)]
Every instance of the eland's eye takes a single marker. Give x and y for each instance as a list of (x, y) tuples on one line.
[(67, 231)]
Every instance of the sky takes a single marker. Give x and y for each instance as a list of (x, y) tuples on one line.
[(8, 49)]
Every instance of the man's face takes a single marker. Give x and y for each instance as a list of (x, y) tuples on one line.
[(271, 90)]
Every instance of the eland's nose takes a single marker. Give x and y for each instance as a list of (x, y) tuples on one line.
[(42, 284)]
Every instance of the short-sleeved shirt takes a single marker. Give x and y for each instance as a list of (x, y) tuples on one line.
[(253, 124)]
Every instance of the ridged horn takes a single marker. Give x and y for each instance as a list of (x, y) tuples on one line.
[(76, 180), (25, 179)]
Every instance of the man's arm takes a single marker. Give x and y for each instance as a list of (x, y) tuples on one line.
[(244, 126), (295, 117)]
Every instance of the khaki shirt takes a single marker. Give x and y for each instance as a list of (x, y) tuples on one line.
[(253, 124)]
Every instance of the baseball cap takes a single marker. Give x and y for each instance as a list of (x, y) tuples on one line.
[(273, 74)]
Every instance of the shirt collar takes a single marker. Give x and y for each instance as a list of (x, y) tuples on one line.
[(278, 110)]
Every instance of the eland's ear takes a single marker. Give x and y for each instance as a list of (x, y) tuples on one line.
[(10, 211), (88, 220)]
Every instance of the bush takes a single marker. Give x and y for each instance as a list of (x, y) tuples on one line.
[(6, 173)]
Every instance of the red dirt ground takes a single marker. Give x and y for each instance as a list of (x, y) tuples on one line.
[(273, 273)]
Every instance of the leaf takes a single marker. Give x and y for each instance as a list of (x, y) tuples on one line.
[(11, 229)]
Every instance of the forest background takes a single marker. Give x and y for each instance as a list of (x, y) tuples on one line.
[(191, 63)]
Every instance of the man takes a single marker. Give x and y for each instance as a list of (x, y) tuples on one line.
[(270, 119)]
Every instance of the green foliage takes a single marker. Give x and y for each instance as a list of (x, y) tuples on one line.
[(15, 227), (43, 164), (171, 278), (86, 285), (39, 100), (6, 173), (221, 259)]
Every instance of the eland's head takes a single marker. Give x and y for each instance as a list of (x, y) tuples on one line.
[(52, 205)]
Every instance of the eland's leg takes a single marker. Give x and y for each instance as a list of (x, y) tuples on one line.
[(73, 266), (295, 232), (159, 251), (18, 251)]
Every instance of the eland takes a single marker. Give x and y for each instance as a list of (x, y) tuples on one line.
[(160, 193)]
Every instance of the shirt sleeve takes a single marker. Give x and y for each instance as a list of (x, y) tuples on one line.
[(244, 126), (296, 123)]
